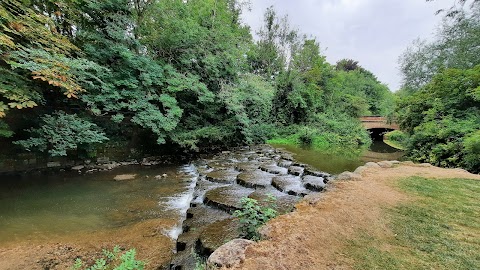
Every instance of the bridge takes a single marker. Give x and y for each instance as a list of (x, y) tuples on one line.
[(374, 122), (378, 126)]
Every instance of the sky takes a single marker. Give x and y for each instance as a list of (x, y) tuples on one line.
[(373, 32)]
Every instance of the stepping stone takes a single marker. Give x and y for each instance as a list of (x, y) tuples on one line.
[(255, 179), (285, 163), (297, 164), (274, 169), (200, 216), (226, 198), (290, 184), (313, 172), (314, 183), (200, 189), (222, 176), (183, 260), (217, 234), (284, 203), (219, 164), (287, 156), (247, 166), (296, 170)]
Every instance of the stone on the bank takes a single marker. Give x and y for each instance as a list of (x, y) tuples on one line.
[(53, 164), (349, 176), (229, 254), (78, 168), (122, 177), (385, 164), (360, 169), (103, 160), (372, 165)]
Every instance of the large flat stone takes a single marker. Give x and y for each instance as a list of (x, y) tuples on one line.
[(274, 169), (296, 170), (290, 184), (314, 183), (255, 179), (224, 176), (284, 203), (216, 234), (200, 216), (226, 198), (247, 166)]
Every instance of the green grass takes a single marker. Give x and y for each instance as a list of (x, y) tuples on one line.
[(440, 229), (318, 142), (395, 144)]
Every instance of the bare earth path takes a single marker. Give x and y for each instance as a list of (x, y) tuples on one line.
[(314, 236)]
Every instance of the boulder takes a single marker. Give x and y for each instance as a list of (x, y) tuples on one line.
[(385, 164), (349, 176), (229, 254), (360, 169), (372, 165)]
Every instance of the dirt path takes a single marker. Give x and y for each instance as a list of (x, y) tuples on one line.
[(314, 236)]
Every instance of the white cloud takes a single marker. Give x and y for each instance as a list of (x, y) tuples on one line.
[(373, 32)]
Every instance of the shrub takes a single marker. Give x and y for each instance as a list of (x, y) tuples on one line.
[(112, 260), (397, 136), (252, 216)]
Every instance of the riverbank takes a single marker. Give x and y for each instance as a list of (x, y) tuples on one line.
[(325, 229)]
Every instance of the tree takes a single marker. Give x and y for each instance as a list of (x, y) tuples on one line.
[(444, 118), (455, 46), (60, 132)]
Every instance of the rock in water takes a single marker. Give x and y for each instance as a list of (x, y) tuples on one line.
[(228, 255), (122, 177)]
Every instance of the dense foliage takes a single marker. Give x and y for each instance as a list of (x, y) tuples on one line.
[(183, 74), (440, 102)]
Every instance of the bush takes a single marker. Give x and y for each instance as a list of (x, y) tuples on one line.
[(252, 216), (398, 137), (113, 260)]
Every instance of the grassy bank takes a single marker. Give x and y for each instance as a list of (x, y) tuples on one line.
[(326, 135), (439, 229), (396, 139)]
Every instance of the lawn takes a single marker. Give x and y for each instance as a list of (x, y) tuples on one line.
[(439, 228)]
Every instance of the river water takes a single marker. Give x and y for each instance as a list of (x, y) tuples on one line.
[(45, 207)]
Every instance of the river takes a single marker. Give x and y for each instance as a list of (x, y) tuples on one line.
[(67, 205)]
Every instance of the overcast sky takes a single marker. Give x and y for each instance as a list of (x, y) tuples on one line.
[(373, 32)]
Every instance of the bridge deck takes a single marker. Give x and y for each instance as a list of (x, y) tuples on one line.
[(370, 122)]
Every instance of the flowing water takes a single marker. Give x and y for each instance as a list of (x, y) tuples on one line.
[(46, 207)]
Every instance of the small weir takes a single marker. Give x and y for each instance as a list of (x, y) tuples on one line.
[(220, 183)]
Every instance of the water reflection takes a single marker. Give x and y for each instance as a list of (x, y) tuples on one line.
[(339, 162)]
